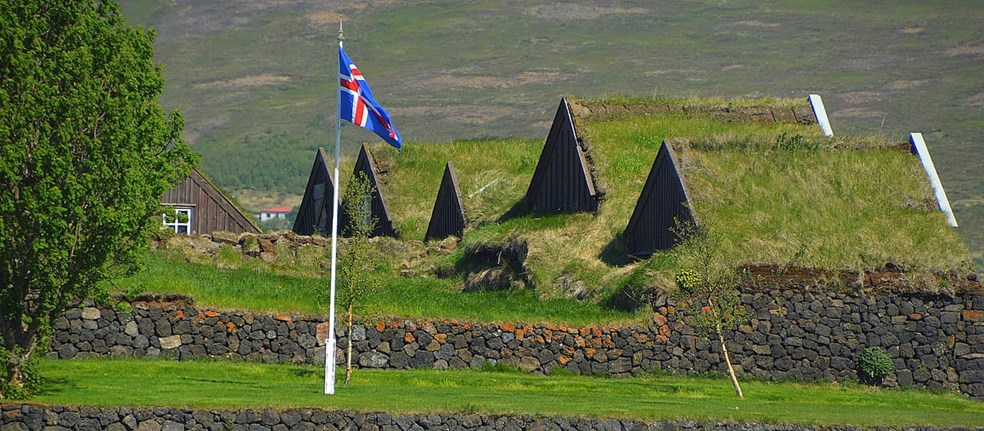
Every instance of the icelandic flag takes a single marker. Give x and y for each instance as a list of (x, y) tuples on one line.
[(359, 107)]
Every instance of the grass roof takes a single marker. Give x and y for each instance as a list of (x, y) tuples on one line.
[(775, 189)]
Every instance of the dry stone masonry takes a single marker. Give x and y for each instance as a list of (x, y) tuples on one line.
[(35, 418), (935, 341)]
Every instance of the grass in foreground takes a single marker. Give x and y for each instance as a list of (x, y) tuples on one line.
[(224, 385)]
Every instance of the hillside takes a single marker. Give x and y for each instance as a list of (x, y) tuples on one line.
[(255, 80)]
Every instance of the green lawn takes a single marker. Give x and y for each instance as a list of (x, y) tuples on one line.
[(225, 385)]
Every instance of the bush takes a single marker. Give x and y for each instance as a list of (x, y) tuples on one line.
[(687, 280), (875, 365), (32, 380)]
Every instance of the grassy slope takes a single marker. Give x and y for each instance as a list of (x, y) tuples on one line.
[(843, 209), (239, 385), (813, 206), (250, 285), (256, 83)]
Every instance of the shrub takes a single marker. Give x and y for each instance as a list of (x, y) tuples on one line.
[(32, 380), (875, 365), (687, 279)]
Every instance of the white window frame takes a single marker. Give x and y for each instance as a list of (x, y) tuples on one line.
[(171, 222)]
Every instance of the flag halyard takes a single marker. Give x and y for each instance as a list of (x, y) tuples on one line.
[(359, 107)]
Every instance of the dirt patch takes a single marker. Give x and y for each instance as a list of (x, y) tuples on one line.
[(905, 85), (858, 113), (732, 67), (759, 24), (968, 50), (493, 82), (539, 77), (975, 101), (913, 29), (259, 80), (856, 97), (325, 19), (575, 12), (480, 81), (474, 115)]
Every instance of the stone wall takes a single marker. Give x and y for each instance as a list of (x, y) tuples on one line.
[(35, 418), (936, 341)]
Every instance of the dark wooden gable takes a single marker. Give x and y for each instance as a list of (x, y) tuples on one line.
[(662, 204), (448, 216), (366, 165), (211, 210), (562, 181), (314, 215)]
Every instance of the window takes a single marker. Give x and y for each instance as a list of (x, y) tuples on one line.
[(179, 220)]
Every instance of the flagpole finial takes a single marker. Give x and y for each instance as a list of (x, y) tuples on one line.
[(341, 35)]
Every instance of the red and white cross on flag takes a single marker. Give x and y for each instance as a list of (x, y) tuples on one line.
[(359, 107)]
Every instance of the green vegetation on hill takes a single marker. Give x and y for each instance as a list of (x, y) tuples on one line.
[(257, 88), (778, 193), (224, 385)]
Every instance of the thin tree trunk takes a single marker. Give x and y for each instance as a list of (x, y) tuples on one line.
[(348, 356), (727, 356), (727, 360)]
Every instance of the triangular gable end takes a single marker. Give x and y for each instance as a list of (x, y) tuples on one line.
[(662, 204), (367, 165), (448, 217), (315, 212), (562, 181), (211, 210)]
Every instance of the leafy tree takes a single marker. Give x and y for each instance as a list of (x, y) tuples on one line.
[(357, 258), (86, 152), (709, 291)]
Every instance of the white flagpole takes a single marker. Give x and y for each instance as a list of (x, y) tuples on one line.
[(330, 344)]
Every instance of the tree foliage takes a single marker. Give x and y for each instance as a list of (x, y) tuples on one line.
[(86, 152), (709, 289), (357, 258)]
